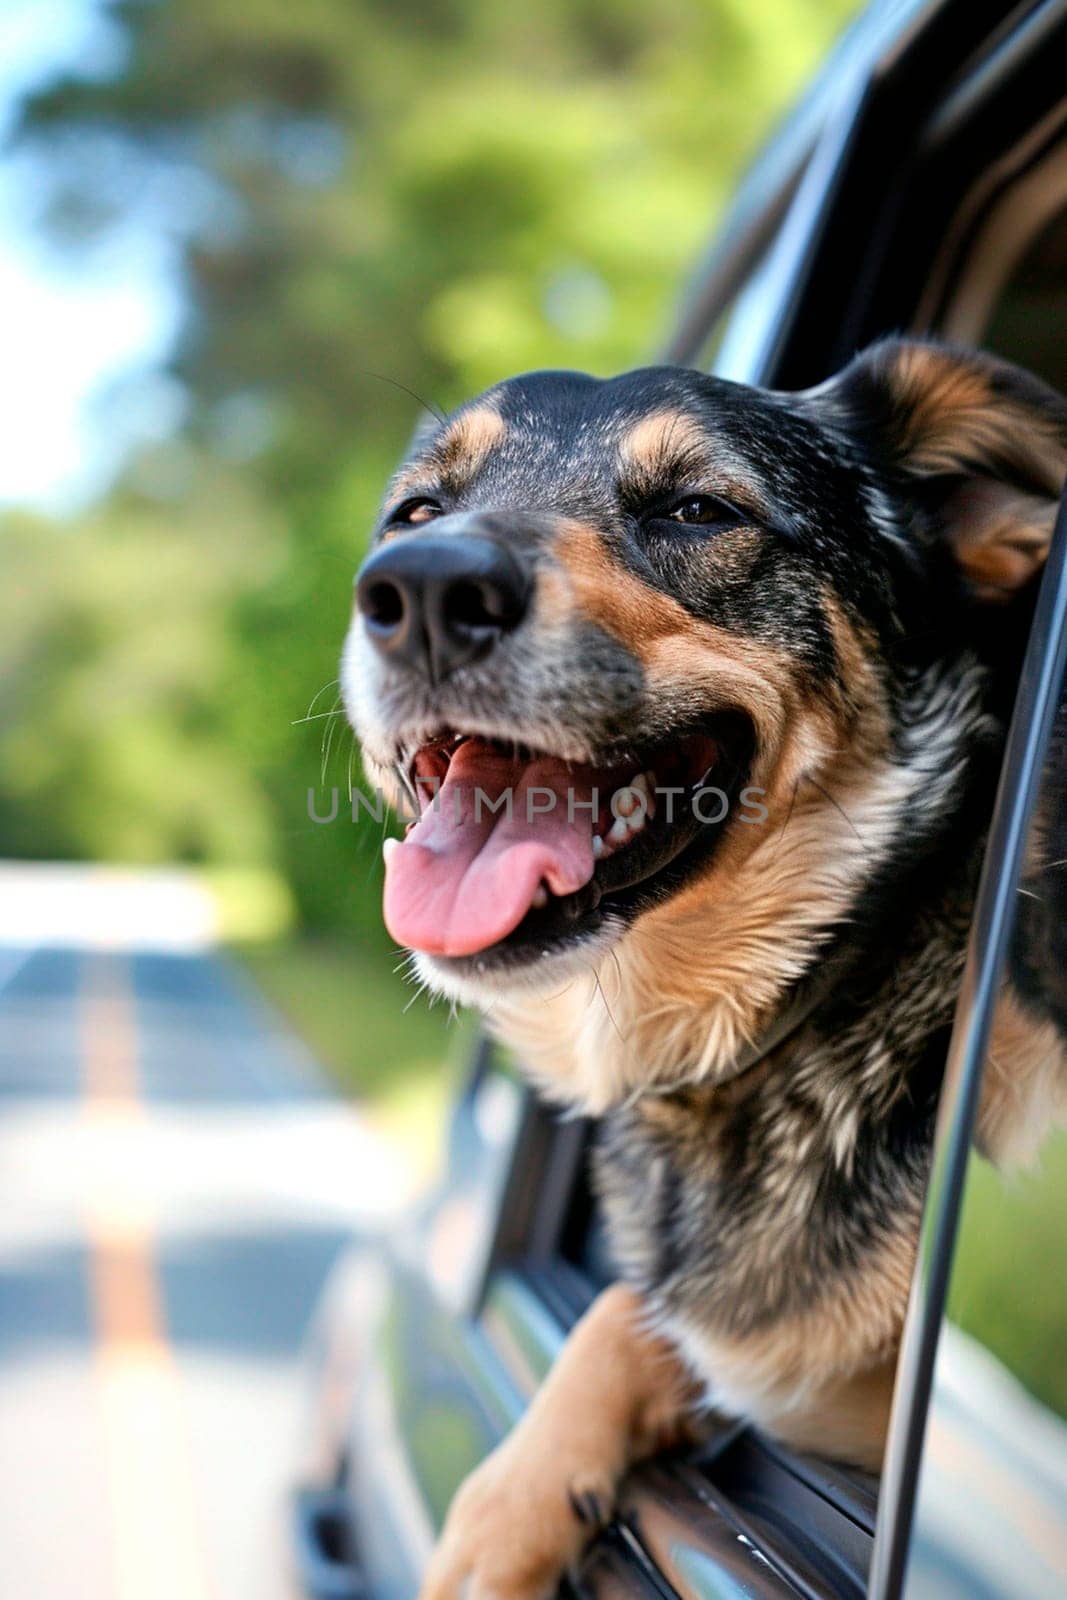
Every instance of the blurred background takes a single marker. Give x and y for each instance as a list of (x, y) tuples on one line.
[(240, 241), (242, 244)]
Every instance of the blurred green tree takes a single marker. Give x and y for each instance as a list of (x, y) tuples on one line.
[(367, 202)]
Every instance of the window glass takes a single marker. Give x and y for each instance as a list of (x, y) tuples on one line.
[(1029, 325), (991, 1514)]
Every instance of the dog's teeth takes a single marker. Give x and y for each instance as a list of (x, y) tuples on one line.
[(540, 899), (626, 801), (598, 846), (633, 806), (388, 846), (643, 786), (619, 831)]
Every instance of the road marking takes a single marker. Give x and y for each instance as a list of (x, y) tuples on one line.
[(157, 1537)]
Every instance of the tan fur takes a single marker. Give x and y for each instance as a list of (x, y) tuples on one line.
[(952, 422), (694, 981), (696, 977), (850, 1419), (464, 447), (682, 656), (791, 1375), (460, 452), (589, 583), (600, 590), (663, 436), (408, 481), (855, 648), (1001, 536), (947, 405), (953, 417), (1024, 1085), (617, 1394)]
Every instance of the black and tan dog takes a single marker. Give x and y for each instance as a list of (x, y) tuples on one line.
[(705, 690)]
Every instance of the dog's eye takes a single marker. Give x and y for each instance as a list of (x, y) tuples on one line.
[(414, 512), (702, 510)]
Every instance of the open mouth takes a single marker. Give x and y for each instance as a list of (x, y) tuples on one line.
[(517, 853)]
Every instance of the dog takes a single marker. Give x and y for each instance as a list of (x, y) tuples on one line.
[(700, 693)]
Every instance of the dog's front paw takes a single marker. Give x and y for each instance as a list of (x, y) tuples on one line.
[(517, 1524)]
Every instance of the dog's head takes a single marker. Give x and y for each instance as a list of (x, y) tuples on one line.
[(656, 652)]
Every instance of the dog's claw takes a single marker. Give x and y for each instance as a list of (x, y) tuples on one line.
[(586, 1507)]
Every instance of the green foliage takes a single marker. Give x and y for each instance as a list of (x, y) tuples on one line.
[(118, 653), (363, 200), (1007, 1286)]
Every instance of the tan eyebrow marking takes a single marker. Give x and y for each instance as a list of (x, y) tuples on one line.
[(660, 438), (672, 443), (458, 453), (467, 441)]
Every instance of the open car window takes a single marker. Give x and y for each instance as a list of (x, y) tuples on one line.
[(974, 1493), (986, 1482)]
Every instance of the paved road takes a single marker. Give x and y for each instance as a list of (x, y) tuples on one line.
[(174, 1182)]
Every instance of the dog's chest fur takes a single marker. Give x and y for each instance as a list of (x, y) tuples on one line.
[(739, 1204)]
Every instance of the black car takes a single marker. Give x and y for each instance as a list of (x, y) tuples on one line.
[(920, 186)]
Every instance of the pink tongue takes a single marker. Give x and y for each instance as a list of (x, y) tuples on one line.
[(465, 877)]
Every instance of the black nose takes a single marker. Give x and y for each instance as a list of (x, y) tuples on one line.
[(439, 601)]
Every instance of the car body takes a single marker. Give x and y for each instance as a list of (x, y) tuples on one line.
[(909, 191)]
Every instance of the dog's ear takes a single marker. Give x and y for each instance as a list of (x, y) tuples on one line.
[(979, 444)]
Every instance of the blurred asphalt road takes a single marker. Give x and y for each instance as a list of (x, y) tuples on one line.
[(174, 1182)]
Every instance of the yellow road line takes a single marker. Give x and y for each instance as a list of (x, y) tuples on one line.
[(157, 1537)]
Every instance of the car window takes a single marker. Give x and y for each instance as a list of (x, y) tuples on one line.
[(1003, 266), (1031, 322), (991, 1511)]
